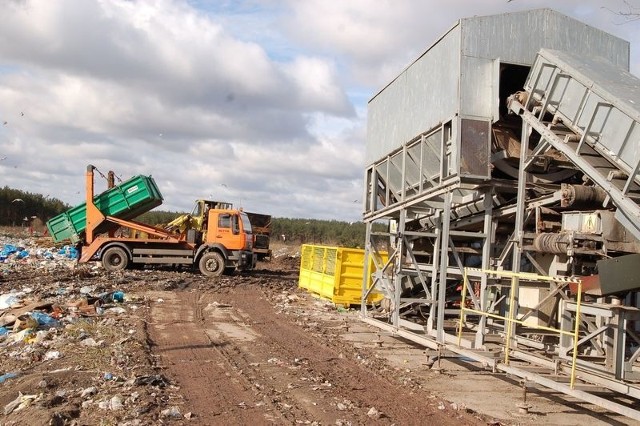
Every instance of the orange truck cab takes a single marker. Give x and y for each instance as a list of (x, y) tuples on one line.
[(229, 241)]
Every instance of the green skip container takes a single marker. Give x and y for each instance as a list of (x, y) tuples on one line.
[(126, 201)]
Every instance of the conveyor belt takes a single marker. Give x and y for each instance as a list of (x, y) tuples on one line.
[(588, 110)]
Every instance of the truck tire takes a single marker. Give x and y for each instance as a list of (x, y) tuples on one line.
[(115, 259), (211, 264)]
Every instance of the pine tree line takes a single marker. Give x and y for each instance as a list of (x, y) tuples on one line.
[(17, 205), (295, 231)]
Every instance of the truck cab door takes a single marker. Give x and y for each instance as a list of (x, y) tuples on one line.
[(224, 229)]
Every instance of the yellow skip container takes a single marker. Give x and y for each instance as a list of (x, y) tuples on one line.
[(335, 273)]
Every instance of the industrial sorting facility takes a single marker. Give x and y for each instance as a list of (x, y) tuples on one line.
[(506, 160)]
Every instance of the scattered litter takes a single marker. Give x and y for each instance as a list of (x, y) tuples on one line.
[(92, 390), (44, 319), (112, 296), (173, 412), (116, 403), (69, 252), (116, 310), (9, 299), (7, 251), (156, 380), (19, 403), (373, 413), (51, 355), (91, 342), (7, 376)]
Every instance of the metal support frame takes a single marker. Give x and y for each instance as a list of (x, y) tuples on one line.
[(447, 212)]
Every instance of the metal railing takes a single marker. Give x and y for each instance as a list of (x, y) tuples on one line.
[(510, 320)]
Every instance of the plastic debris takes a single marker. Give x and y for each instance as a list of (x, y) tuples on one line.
[(92, 390), (173, 412), (113, 404), (118, 296), (91, 342), (21, 335), (7, 376), (112, 296), (51, 355), (6, 251), (116, 403), (69, 252), (22, 254), (19, 403), (9, 299), (155, 380), (44, 319)]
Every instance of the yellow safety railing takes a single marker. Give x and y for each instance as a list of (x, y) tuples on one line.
[(510, 321)]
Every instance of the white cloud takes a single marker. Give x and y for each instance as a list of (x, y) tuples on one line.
[(378, 39), (260, 102)]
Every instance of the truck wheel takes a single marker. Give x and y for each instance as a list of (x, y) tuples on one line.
[(211, 264), (115, 259)]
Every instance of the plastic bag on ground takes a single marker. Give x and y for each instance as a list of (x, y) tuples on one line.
[(44, 319)]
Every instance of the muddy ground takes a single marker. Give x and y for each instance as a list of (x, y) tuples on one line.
[(180, 348)]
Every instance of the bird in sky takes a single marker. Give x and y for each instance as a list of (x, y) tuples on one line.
[(3, 158)]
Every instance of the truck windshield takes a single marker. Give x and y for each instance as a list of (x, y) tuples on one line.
[(246, 224), (197, 210)]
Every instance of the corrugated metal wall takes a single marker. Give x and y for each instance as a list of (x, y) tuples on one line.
[(416, 100), (457, 75)]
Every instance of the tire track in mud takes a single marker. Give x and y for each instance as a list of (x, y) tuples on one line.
[(238, 362), (213, 390), (219, 382), (354, 389)]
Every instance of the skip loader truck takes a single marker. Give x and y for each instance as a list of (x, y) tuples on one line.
[(221, 243)]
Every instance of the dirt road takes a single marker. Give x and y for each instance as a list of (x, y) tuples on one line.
[(240, 358), (182, 348)]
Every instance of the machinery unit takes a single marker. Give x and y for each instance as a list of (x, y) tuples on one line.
[(506, 160), (261, 225)]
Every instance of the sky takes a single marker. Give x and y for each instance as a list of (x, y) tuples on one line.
[(260, 102)]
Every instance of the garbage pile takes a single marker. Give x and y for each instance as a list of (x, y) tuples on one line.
[(20, 253), (73, 345)]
